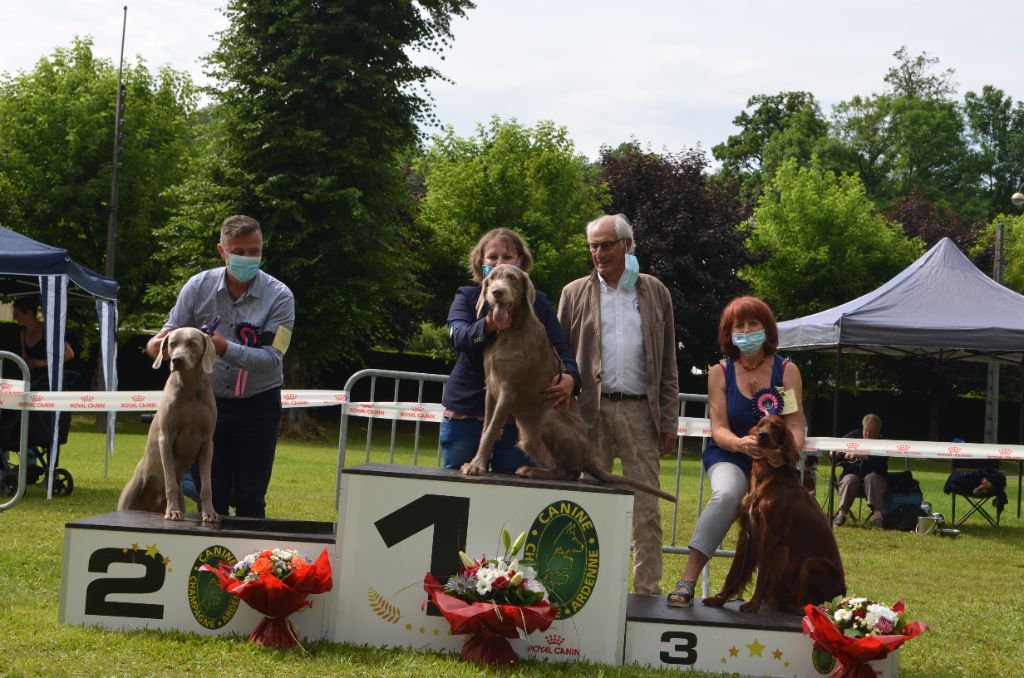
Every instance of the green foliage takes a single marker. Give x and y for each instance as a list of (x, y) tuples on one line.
[(432, 340), (317, 101), (1013, 248), (824, 240), (56, 148), (508, 175)]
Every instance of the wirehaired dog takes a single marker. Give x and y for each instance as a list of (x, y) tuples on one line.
[(783, 534), (181, 432), (519, 364)]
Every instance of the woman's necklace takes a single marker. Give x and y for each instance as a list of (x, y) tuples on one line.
[(751, 370)]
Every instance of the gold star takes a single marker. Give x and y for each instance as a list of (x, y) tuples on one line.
[(152, 550), (135, 547), (756, 648), (408, 627), (437, 632), (422, 630), (733, 652), (786, 663), (723, 660), (777, 654), (166, 560), (124, 550)]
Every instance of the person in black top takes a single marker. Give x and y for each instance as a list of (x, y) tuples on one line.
[(861, 470)]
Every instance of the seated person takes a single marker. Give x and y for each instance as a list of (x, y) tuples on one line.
[(861, 470)]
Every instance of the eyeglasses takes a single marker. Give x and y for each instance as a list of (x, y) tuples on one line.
[(603, 246)]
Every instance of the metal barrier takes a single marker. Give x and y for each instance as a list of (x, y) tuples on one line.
[(685, 399), (23, 438)]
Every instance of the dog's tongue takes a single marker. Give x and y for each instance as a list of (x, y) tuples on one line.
[(500, 314)]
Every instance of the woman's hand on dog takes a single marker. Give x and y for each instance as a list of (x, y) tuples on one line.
[(748, 445), (559, 393)]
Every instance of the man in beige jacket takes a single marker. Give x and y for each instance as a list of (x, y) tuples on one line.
[(619, 322)]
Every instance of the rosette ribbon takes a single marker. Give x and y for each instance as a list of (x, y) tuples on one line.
[(488, 625), (854, 653), (276, 599)]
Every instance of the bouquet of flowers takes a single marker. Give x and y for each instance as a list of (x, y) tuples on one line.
[(275, 583), (492, 600), (856, 631)]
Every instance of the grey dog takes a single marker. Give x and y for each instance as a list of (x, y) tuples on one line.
[(181, 432), (519, 364)]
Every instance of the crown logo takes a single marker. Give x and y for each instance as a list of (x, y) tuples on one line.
[(852, 446), (341, 397), (36, 397), (554, 639), (289, 396), (1005, 450), (87, 398), (955, 448), (903, 447), (6, 386), (138, 397), (418, 408)]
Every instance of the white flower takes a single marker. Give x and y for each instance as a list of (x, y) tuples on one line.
[(858, 602), (483, 587), (528, 572), (842, 614), (876, 612)]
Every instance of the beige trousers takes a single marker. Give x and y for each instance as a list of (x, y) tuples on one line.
[(626, 429)]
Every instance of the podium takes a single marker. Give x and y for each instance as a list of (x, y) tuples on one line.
[(135, 570), (398, 523)]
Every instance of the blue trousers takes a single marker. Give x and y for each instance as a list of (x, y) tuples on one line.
[(461, 437)]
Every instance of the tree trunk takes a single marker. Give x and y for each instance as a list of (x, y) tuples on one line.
[(296, 421)]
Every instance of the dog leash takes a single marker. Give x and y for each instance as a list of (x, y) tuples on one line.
[(209, 327)]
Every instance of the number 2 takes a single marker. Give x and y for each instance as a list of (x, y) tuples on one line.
[(150, 582)]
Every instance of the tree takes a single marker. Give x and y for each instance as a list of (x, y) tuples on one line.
[(56, 145), (912, 77), (316, 104), (508, 175), (686, 235), (995, 129), (922, 219), (823, 240)]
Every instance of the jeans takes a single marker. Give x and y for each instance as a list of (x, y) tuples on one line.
[(460, 439), (728, 486)]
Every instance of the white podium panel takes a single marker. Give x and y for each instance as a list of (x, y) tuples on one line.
[(135, 570), (723, 640), (398, 523)]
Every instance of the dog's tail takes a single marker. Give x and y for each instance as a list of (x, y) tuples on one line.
[(606, 477)]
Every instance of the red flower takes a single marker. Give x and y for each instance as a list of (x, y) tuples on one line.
[(855, 653)]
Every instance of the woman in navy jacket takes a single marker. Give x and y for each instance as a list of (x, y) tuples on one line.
[(463, 397)]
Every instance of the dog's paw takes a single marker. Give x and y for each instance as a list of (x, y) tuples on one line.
[(173, 515), (750, 606), (525, 471), (211, 517), (714, 601), (473, 469)]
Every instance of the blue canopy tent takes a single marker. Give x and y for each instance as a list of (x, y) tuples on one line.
[(31, 267)]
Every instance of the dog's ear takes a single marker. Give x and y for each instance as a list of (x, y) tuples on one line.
[(482, 300), (209, 354), (160, 354), (531, 293)]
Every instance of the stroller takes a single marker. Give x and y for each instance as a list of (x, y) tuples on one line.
[(40, 440)]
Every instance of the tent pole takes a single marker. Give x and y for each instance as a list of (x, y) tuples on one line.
[(835, 432), (1020, 434)]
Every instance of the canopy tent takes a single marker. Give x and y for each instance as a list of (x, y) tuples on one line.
[(941, 306), (31, 267)]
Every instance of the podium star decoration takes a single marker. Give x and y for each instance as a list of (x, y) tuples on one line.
[(756, 648)]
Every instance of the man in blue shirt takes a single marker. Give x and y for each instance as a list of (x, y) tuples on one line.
[(251, 315)]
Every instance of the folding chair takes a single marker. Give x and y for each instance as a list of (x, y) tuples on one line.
[(982, 485)]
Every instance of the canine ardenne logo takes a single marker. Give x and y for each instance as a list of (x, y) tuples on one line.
[(212, 606), (562, 544)]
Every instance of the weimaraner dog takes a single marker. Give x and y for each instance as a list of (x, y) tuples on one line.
[(181, 431), (519, 364)]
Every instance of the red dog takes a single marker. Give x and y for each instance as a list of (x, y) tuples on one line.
[(783, 534)]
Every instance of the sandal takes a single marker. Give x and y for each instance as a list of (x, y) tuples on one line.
[(682, 596)]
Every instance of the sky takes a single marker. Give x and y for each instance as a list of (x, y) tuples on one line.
[(673, 74)]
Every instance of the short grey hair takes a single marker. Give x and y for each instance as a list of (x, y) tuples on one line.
[(623, 229)]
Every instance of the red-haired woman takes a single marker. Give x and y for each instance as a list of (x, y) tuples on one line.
[(751, 382)]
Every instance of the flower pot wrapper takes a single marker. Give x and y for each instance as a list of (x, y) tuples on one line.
[(854, 652), (489, 624), (276, 598)]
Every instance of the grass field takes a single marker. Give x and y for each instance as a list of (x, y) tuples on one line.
[(970, 590)]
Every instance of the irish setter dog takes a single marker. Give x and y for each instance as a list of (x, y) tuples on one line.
[(783, 534)]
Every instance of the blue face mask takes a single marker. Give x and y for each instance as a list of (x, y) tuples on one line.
[(628, 279), (487, 268), (243, 269), (748, 342)]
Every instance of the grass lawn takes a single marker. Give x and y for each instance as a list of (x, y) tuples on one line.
[(969, 589)]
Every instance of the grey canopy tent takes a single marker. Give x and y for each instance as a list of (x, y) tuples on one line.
[(31, 267), (940, 307)]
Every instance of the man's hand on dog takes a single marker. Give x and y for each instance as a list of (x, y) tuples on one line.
[(559, 393)]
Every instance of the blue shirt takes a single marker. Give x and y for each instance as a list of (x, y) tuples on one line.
[(464, 392), (742, 415), (267, 307)]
